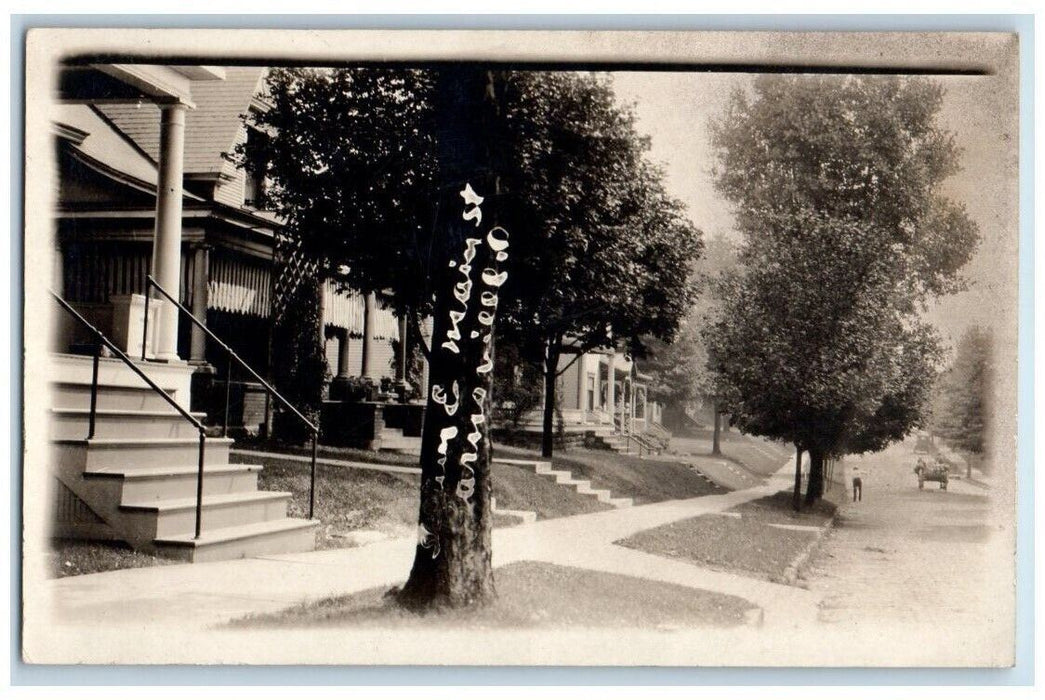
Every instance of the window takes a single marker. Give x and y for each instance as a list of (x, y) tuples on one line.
[(254, 177)]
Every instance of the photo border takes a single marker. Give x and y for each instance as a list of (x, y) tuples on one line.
[(1020, 674)]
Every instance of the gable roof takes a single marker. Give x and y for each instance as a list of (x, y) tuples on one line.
[(210, 129)]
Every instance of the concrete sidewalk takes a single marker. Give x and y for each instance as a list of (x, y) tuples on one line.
[(209, 594), (140, 611)]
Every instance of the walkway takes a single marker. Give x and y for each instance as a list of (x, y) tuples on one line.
[(205, 596), (906, 579)]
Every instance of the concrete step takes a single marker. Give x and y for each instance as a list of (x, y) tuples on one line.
[(73, 423), (166, 483), (525, 516), (172, 517), (257, 539), (110, 396), (106, 454), (582, 486), (539, 467), (400, 443), (585, 488)]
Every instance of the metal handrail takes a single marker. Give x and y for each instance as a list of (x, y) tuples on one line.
[(629, 439), (100, 340), (150, 282)]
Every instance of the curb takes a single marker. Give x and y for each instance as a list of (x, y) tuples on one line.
[(791, 572)]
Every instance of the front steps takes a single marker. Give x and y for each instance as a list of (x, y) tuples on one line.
[(565, 478), (525, 517), (621, 445), (136, 479), (393, 440)]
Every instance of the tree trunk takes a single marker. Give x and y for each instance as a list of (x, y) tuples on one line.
[(452, 562), (815, 487), (716, 448), (796, 500), (551, 368)]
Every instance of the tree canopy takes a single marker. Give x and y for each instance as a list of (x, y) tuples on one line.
[(607, 251), (349, 156), (836, 188), (607, 255), (601, 252), (678, 369)]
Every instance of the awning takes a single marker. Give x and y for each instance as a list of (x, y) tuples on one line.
[(345, 310)]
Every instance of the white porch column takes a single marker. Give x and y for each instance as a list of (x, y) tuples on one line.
[(611, 378), (369, 369), (200, 278), (401, 360), (582, 380), (342, 353), (166, 247)]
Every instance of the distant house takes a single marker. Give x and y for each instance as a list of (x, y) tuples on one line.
[(593, 409), (584, 391)]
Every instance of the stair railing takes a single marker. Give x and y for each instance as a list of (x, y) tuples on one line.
[(99, 341), (630, 439), (151, 283)]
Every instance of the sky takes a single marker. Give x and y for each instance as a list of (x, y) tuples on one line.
[(674, 110)]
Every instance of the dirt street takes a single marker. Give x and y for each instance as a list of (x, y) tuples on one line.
[(903, 557)]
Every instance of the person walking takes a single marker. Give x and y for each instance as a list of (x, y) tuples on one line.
[(858, 488)]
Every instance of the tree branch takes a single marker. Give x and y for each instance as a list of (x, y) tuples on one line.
[(415, 328), (581, 350)]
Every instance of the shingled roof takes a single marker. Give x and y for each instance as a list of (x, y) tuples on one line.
[(210, 129)]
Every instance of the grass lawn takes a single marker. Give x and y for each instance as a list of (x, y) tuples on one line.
[(645, 480), (347, 499), (520, 488), (758, 456), (533, 594), (749, 544), (350, 499), (74, 558)]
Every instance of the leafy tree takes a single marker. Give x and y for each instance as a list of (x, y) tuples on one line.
[(349, 161), (370, 170), (835, 184), (351, 165), (960, 414), (607, 251)]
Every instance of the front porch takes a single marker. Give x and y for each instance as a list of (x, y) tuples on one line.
[(588, 413), (585, 396)]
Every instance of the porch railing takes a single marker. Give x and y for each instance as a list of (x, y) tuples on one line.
[(150, 284), (99, 341)]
